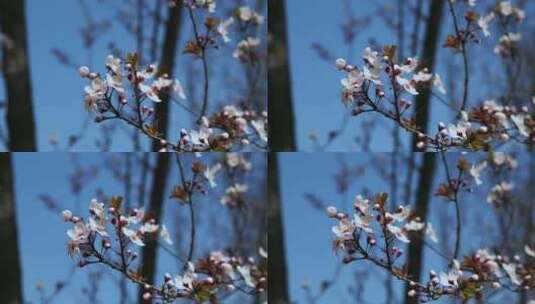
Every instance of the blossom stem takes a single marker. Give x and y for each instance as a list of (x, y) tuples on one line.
[(191, 210), (465, 56)]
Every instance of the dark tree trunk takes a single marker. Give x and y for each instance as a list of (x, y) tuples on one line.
[(11, 278), (423, 197), (427, 169), (157, 197), (281, 116), (429, 51), (166, 65), (16, 70), (278, 281)]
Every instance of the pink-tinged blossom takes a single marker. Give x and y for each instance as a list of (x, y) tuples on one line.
[(67, 215), (407, 84), (260, 127), (223, 29), (484, 23), (451, 279), (475, 172), (510, 269), (133, 236), (530, 252), (519, 121), (114, 64), (430, 232), (233, 194), (245, 272), (351, 85), (246, 48), (398, 232), (210, 174), (184, 283), (372, 67), (246, 14), (437, 83), (331, 211), (164, 235), (150, 91)]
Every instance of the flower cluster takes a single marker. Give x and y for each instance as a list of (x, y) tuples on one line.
[(134, 226), (405, 77), (107, 97), (106, 238), (357, 235), (484, 124), (364, 89), (476, 273), (203, 175)]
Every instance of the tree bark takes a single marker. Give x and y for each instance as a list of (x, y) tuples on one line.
[(278, 281), (11, 279), (427, 170), (166, 65), (16, 70), (429, 51), (423, 196), (157, 196), (281, 116)]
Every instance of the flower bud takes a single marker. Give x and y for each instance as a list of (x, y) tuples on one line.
[(340, 64), (67, 215), (84, 71), (146, 296), (411, 293), (332, 211)]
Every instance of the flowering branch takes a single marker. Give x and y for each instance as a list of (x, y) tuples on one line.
[(92, 243), (481, 127)]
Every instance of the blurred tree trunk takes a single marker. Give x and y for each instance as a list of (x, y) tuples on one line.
[(423, 197), (11, 279), (428, 55), (157, 196), (20, 117), (281, 116), (427, 169), (278, 281), (166, 65)]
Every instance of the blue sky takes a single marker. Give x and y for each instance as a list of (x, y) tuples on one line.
[(58, 90), (316, 83), (308, 231), (42, 233)]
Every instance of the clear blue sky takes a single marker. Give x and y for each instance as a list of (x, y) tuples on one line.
[(316, 83), (42, 234), (58, 90), (308, 231)]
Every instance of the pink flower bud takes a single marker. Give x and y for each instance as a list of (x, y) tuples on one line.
[(411, 293), (420, 145), (67, 215), (332, 211), (340, 64), (84, 71), (147, 296)]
